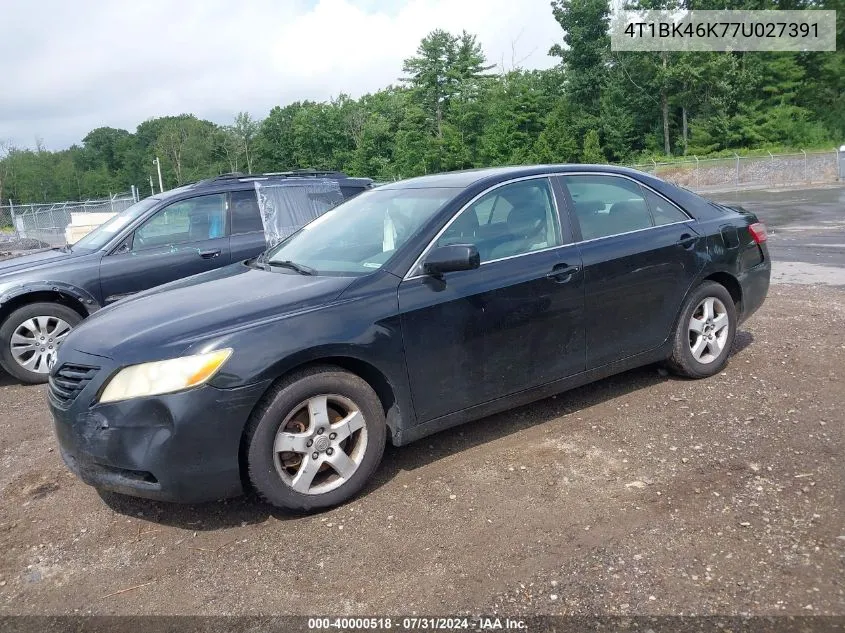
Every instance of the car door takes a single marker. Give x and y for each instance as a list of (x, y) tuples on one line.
[(511, 324), (185, 238), (640, 255), (247, 239)]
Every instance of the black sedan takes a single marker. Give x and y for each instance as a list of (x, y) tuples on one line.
[(409, 309)]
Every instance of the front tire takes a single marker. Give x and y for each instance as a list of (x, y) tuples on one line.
[(315, 439), (705, 332), (30, 338)]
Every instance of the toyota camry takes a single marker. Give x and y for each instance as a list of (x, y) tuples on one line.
[(413, 307)]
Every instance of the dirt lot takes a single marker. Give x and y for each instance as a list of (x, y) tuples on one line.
[(638, 494)]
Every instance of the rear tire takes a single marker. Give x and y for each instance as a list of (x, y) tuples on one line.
[(30, 337), (704, 333), (315, 439)]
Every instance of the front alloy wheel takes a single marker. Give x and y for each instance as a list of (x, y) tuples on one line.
[(321, 444), (31, 336), (315, 439)]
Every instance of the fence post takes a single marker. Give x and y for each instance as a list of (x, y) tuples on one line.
[(805, 165), (737, 170), (18, 236), (836, 153), (697, 174)]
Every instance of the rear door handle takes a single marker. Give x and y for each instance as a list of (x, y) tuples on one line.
[(562, 273), (686, 241), (211, 254)]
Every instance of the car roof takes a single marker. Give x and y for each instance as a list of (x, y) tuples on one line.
[(491, 175)]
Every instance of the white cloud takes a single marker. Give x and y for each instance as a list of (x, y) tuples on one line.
[(67, 68)]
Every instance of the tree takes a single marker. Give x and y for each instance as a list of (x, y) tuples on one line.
[(245, 130), (592, 150)]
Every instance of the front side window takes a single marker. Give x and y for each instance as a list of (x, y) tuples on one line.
[(607, 205), (360, 235), (193, 220), (513, 219)]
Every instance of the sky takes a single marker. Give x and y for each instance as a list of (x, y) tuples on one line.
[(69, 67)]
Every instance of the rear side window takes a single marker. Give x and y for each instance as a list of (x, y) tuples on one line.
[(246, 217), (607, 205), (663, 211)]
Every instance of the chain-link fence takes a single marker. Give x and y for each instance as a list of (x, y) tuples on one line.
[(35, 225), (740, 172)]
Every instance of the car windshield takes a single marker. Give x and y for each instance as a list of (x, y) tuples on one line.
[(360, 235), (100, 236)]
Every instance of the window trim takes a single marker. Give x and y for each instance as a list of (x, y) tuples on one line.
[(547, 177)]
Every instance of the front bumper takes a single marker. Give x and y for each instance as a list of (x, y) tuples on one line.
[(181, 447)]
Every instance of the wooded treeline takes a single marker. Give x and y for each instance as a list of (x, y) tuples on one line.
[(451, 110)]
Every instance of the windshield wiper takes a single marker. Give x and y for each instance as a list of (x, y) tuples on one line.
[(302, 270)]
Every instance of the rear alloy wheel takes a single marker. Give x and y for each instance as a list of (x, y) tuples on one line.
[(705, 332), (315, 440), (31, 337), (708, 330)]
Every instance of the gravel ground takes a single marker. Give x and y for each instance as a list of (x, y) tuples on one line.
[(639, 494)]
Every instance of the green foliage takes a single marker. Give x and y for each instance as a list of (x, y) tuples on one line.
[(449, 112), (592, 150)]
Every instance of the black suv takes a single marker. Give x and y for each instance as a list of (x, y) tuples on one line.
[(175, 234)]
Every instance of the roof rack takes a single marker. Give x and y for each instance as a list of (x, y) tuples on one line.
[(296, 173)]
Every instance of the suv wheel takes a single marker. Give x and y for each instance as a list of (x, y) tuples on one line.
[(315, 439), (30, 338)]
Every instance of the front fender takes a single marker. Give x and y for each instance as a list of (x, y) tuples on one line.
[(85, 298)]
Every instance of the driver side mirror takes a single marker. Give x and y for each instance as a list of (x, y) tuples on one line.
[(447, 259)]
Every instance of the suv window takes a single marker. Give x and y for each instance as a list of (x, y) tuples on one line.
[(607, 205), (193, 220), (246, 216), (511, 220), (663, 211)]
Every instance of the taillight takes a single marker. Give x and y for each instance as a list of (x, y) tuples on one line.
[(758, 232)]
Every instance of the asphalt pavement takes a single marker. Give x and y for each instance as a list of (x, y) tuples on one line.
[(806, 230)]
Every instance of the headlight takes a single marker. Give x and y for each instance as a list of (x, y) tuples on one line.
[(164, 376)]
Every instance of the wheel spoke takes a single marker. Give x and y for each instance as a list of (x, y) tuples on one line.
[(61, 330), (290, 443), (348, 425), (31, 363), (707, 308), (721, 321), (29, 326), (698, 348), (342, 464), (696, 325), (42, 324), (318, 413), (305, 475), (23, 343)]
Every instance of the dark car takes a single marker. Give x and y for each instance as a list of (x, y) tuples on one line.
[(409, 309), (182, 232)]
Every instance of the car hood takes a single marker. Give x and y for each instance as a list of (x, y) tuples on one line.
[(36, 260), (162, 322)]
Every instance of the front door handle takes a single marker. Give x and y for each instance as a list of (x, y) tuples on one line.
[(211, 254), (562, 273), (686, 241)]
